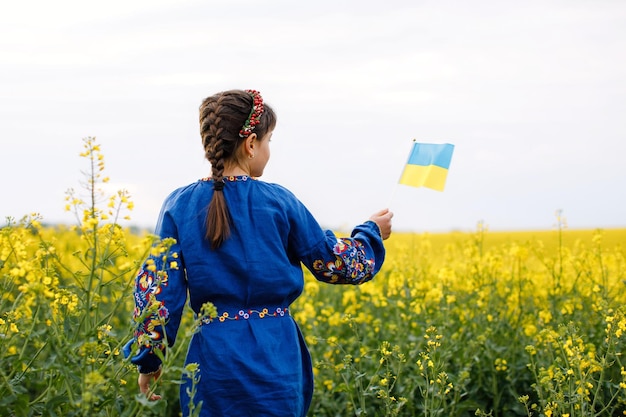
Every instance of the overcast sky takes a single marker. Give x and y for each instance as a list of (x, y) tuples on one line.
[(531, 93)]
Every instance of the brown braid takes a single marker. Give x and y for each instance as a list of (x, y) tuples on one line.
[(221, 118)]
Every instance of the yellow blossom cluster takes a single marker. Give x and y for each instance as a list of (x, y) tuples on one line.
[(455, 321), (477, 300)]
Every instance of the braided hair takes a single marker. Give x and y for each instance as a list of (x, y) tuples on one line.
[(222, 116)]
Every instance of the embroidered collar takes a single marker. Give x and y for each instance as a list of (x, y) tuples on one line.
[(231, 178)]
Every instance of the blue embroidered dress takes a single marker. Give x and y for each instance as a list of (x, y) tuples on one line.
[(252, 357)]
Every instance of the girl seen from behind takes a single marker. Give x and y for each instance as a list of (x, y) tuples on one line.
[(240, 244)]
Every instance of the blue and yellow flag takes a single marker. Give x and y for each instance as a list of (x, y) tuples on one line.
[(428, 165)]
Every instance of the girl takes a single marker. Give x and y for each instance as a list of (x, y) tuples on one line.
[(240, 244)]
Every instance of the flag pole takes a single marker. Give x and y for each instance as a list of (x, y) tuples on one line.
[(395, 187), (393, 193)]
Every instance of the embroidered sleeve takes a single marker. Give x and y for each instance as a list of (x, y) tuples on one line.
[(160, 295), (150, 314), (348, 260)]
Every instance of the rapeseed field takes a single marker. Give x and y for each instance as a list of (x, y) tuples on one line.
[(525, 323)]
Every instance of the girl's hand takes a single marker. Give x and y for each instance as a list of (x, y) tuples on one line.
[(383, 219), (144, 382)]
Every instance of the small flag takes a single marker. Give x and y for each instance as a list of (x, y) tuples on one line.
[(428, 165)]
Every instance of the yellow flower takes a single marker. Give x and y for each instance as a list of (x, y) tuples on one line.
[(334, 320), (349, 298), (192, 367), (530, 329), (104, 331), (545, 316), (500, 365)]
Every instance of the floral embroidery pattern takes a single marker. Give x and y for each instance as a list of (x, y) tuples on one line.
[(350, 265), (248, 314), (149, 312), (232, 178)]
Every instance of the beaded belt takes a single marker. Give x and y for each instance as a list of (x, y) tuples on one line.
[(249, 314)]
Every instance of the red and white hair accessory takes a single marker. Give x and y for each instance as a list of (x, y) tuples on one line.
[(255, 114)]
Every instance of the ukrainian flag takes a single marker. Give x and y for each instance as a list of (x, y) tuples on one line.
[(428, 165)]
